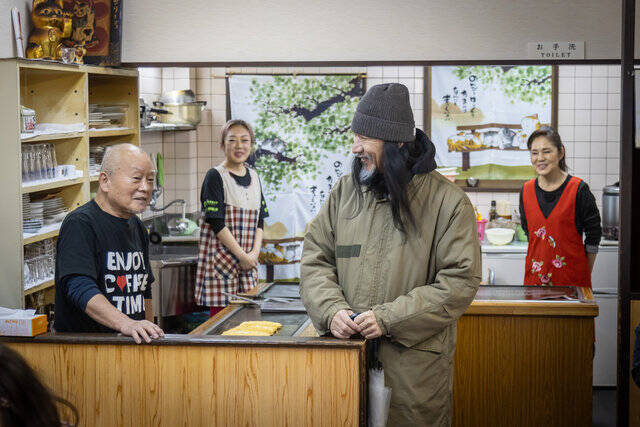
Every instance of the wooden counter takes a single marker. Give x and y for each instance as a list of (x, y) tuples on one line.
[(203, 380), (524, 364), (516, 364)]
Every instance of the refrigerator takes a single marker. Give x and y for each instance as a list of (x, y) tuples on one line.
[(604, 281)]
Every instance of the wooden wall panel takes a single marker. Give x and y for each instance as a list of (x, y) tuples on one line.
[(523, 371), (202, 385)]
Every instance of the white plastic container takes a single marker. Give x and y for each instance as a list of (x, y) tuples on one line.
[(499, 236), (28, 120)]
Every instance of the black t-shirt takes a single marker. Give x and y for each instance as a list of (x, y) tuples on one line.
[(587, 215), (114, 253), (212, 193)]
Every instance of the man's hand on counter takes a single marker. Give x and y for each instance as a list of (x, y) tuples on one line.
[(140, 329), (369, 325), (103, 312), (342, 326)]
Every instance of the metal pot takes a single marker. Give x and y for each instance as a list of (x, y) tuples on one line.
[(188, 113), (148, 114), (178, 97), (611, 211)]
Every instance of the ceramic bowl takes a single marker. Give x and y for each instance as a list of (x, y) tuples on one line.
[(499, 236)]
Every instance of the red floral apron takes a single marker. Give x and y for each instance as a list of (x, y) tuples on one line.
[(218, 269), (556, 253)]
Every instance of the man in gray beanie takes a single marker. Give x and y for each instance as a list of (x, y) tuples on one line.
[(394, 256)]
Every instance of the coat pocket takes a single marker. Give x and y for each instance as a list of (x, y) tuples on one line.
[(434, 344)]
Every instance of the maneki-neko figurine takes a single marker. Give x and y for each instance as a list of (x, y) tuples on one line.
[(51, 25)]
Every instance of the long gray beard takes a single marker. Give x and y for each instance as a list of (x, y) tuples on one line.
[(366, 176)]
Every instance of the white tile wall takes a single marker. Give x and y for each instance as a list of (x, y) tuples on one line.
[(178, 148), (596, 142), (588, 121)]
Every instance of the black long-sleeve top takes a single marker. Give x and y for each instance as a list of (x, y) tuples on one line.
[(587, 216)]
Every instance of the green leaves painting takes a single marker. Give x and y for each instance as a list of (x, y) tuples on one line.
[(300, 120), (529, 84)]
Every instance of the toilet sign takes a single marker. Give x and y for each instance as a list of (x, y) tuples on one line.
[(556, 50)]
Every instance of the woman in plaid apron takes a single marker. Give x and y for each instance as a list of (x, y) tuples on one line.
[(231, 229)]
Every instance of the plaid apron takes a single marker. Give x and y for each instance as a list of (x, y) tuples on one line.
[(218, 269)]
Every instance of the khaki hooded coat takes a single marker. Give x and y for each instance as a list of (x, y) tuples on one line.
[(417, 288)]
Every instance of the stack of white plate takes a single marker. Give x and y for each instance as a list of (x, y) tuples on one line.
[(107, 115), (29, 224), (54, 210), (33, 218)]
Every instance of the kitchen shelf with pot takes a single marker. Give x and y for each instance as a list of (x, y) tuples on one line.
[(163, 127), (59, 94), (176, 110)]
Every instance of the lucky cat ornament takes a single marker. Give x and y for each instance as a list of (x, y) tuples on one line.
[(51, 24)]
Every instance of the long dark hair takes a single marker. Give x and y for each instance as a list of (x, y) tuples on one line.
[(24, 400), (553, 137), (398, 162)]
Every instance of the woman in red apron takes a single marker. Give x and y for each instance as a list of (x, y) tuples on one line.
[(556, 209), (231, 230)]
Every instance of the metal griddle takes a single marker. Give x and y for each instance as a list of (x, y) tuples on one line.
[(282, 290), (292, 322)]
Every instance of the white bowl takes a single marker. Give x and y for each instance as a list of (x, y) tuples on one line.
[(499, 236)]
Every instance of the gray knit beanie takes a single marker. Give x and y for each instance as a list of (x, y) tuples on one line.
[(384, 112)]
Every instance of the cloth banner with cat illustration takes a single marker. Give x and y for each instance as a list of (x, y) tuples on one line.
[(480, 117)]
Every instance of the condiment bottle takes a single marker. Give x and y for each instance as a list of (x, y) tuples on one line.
[(492, 211)]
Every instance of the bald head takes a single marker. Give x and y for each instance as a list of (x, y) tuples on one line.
[(118, 156), (126, 180)]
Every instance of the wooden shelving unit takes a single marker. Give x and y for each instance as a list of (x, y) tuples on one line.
[(60, 94), (41, 287), (52, 185), (47, 233), (52, 137), (116, 132)]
